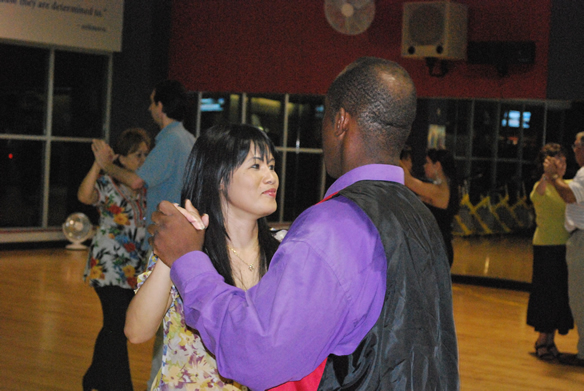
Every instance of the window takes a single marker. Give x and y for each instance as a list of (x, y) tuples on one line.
[(21, 180), (52, 103), (23, 90), (79, 95)]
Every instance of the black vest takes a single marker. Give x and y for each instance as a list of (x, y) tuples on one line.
[(413, 344)]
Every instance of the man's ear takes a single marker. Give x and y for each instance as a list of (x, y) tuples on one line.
[(342, 120)]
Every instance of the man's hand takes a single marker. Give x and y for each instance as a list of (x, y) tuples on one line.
[(104, 154), (172, 234)]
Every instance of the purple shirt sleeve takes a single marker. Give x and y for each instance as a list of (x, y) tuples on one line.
[(323, 292)]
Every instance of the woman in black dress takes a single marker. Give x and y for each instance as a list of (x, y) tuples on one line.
[(440, 194)]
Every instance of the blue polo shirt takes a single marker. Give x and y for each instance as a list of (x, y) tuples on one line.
[(164, 167)]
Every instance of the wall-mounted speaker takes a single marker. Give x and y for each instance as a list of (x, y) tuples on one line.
[(434, 29), (495, 52), (501, 54)]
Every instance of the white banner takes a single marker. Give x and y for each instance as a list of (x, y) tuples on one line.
[(86, 24)]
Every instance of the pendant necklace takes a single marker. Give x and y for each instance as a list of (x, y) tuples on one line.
[(250, 266)]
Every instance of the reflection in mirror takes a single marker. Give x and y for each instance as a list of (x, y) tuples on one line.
[(70, 162), (216, 108), (79, 94), (302, 185), (266, 112), (21, 179), (23, 84), (305, 113)]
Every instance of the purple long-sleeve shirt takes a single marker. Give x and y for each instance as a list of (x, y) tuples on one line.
[(323, 292)]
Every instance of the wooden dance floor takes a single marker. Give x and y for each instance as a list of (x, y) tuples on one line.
[(49, 321)]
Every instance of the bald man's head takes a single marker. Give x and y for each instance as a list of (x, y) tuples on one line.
[(382, 97)]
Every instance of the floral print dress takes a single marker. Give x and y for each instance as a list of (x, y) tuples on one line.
[(115, 257), (186, 363)]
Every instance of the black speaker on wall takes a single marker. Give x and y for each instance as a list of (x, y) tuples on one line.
[(501, 53)]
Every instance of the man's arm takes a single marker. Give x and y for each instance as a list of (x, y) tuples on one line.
[(316, 299), (563, 190), (127, 177)]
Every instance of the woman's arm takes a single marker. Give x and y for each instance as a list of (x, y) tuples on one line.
[(436, 195), (148, 307), (87, 193), (541, 185)]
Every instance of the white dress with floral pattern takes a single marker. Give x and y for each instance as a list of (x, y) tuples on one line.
[(115, 257), (186, 363)]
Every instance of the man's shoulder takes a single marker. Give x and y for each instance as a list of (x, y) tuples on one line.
[(176, 134), (172, 144), (579, 177), (337, 214)]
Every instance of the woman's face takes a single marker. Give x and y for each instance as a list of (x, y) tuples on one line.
[(561, 163), (134, 160), (253, 187)]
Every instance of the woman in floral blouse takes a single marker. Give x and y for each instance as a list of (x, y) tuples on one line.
[(115, 258), (230, 176)]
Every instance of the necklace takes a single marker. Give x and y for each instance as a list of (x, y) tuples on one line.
[(250, 266)]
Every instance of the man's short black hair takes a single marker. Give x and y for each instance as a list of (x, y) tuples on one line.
[(174, 98), (381, 96)]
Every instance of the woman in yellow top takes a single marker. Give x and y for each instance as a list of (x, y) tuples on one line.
[(548, 309)]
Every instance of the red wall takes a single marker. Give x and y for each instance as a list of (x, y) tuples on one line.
[(288, 46)]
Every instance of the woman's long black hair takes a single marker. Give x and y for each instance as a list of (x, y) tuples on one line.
[(217, 153)]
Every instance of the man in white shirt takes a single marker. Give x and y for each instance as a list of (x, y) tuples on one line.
[(573, 195)]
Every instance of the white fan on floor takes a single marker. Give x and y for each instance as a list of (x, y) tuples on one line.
[(77, 229), (349, 17)]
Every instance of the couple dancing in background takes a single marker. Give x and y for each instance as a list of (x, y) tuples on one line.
[(122, 224)]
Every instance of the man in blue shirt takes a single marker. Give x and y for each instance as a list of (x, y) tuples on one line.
[(164, 167)]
